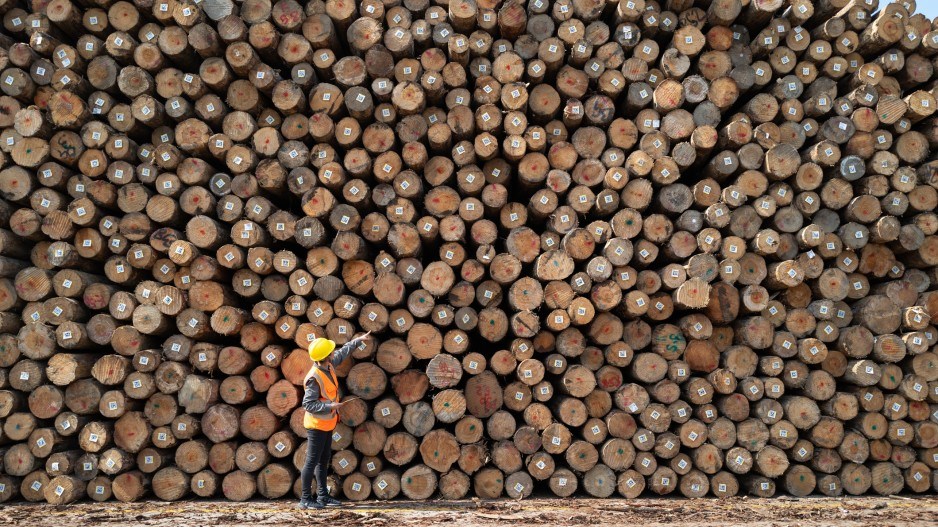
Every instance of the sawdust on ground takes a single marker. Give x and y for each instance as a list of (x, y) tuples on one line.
[(778, 512)]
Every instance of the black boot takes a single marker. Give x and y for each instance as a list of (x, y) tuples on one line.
[(327, 500), (307, 502)]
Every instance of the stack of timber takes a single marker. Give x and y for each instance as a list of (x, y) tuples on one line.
[(604, 247)]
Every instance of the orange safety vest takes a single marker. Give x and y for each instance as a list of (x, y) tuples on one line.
[(328, 392)]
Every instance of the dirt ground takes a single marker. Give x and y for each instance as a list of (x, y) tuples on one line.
[(845, 512)]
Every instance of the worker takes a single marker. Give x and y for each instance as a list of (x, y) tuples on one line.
[(321, 402)]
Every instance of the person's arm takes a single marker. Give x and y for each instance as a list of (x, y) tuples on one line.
[(311, 402), (342, 353), (339, 355)]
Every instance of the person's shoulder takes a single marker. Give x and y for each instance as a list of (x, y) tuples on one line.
[(311, 374)]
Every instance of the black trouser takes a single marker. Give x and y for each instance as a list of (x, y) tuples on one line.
[(318, 454)]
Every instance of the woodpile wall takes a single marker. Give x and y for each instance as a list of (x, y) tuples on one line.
[(604, 247)]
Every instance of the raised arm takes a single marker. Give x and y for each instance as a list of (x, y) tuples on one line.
[(339, 355), (342, 353)]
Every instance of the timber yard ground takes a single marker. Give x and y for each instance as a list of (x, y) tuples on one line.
[(894, 511)]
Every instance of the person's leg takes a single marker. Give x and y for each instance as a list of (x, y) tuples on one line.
[(313, 451), (322, 471)]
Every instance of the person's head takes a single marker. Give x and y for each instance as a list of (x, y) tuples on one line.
[(320, 349)]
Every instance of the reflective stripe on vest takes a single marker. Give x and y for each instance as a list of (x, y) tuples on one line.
[(328, 392)]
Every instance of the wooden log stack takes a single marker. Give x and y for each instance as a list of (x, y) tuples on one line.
[(605, 247)]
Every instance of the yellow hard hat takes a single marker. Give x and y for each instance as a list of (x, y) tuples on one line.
[(320, 348)]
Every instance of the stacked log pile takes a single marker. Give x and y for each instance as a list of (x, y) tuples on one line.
[(605, 247)]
